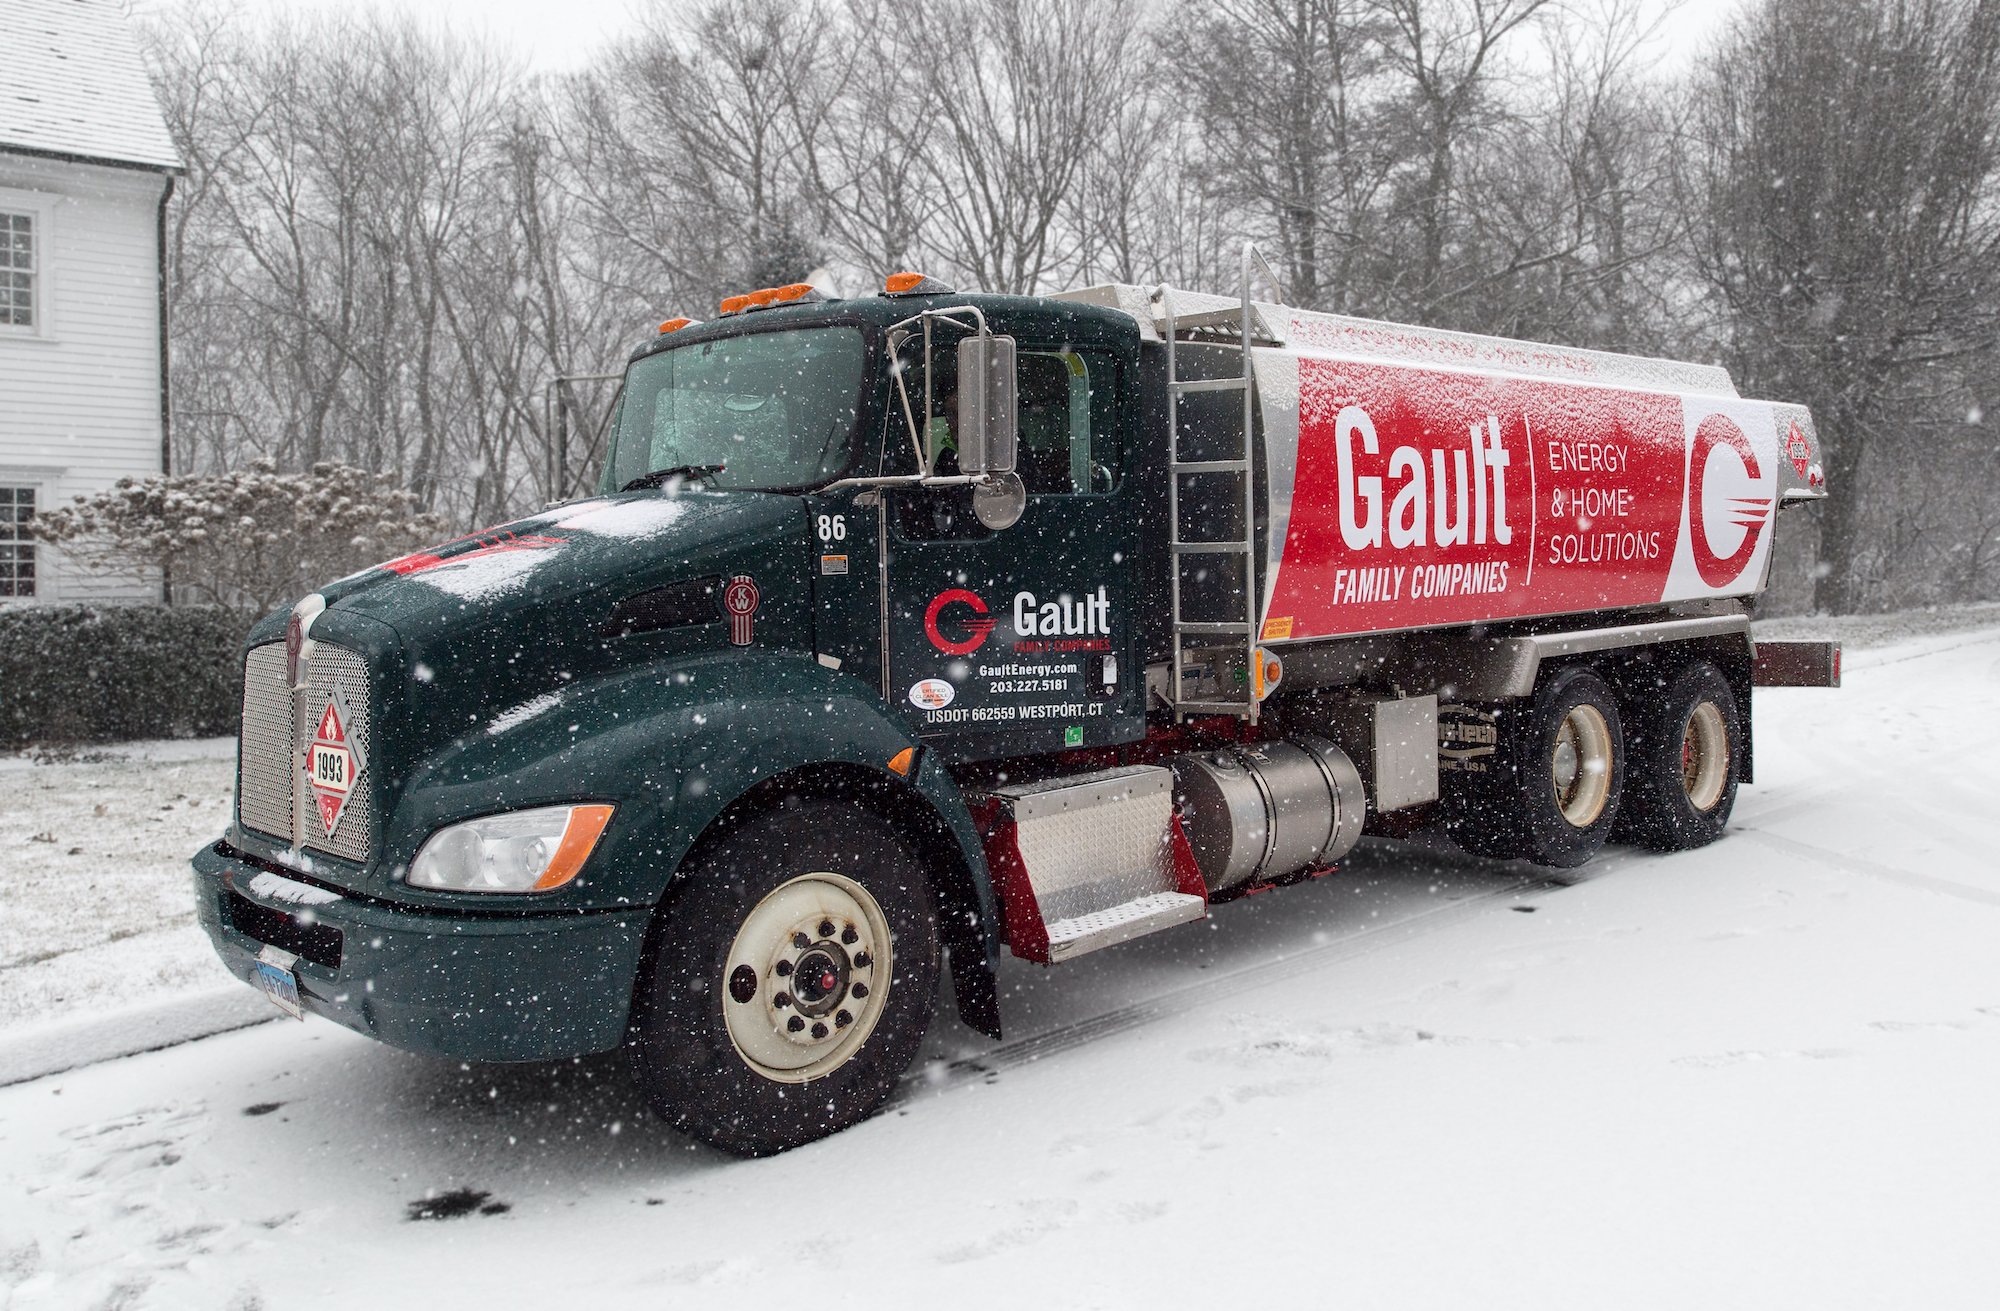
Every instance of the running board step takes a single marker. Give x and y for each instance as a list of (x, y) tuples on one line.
[(1135, 919), (1089, 860)]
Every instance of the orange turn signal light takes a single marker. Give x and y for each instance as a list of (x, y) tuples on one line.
[(903, 761), (586, 825), (674, 325)]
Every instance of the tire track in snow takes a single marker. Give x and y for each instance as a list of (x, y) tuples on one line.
[(1857, 865), (1210, 988)]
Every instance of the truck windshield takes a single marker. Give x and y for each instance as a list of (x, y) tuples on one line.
[(775, 409)]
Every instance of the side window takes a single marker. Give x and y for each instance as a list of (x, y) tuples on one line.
[(1067, 423), (18, 269), (1067, 419), (17, 549)]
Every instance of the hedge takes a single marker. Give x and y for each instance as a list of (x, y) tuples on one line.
[(77, 673)]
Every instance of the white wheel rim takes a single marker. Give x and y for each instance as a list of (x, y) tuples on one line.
[(1705, 756), (1580, 766), (807, 977)]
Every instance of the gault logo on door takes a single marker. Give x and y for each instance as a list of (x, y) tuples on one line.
[(958, 622), (334, 760)]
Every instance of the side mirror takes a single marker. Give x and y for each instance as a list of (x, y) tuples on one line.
[(988, 430)]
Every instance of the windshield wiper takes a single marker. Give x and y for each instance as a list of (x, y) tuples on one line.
[(658, 476)]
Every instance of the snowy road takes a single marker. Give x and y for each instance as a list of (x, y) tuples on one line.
[(1756, 1075)]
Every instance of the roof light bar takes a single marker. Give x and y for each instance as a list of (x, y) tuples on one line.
[(792, 293)]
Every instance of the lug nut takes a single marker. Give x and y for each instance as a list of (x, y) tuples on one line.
[(826, 928), (795, 1024), (843, 1019), (819, 1031), (849, 936), (859, 990), (862, 960), (783, 968), (801, 941), (782, 999)]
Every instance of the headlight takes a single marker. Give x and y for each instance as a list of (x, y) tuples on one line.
[(520, 851)]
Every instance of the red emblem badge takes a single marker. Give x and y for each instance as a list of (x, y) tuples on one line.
[(1797, 448), (739, 599), (334, 761)]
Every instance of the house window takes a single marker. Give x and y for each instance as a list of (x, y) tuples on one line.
[(17, 270), (17, 549)]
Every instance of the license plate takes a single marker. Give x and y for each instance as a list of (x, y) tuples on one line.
[(272, 973)]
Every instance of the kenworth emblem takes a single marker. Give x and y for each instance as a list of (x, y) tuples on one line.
[(334, 761), (740, 600)]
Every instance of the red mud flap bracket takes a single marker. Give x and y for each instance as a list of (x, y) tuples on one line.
[(1797, 664), (1089, 861)]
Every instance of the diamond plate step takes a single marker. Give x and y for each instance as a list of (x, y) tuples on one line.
[(1106, 928)]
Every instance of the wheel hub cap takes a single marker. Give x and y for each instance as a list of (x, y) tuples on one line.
[(807, 977), (1580, 766), (1705, 756)]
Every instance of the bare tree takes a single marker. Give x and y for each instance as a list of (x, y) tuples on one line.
[(1840, 174), (1015, 95), (1300, 133)]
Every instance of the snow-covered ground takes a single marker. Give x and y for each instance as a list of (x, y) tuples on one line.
[(97, 911), (1756, 1075)]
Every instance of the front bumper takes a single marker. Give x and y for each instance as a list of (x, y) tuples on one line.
[(473, 987)]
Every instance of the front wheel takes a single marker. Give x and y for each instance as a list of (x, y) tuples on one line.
[(794, 977)]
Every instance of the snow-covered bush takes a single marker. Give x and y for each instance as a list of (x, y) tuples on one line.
[(76, 673), (248, 539)]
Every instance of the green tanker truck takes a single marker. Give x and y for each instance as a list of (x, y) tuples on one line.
[(908, 628)]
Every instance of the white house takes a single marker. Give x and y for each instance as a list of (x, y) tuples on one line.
[(86, 167)]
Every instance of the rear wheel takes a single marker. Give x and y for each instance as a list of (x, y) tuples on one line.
[(1687, 756), (1551, 791), (794, 977)]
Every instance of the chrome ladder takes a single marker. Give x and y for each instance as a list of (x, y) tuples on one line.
[(1241, 466)]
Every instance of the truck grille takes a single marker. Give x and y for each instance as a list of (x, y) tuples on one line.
[(274, 741)]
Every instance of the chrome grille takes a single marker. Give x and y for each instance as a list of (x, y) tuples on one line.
[(265, 801), (274, 741)]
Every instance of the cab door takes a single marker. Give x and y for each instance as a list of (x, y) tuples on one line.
[(1024, 640)]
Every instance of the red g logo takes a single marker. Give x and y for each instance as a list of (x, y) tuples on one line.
[(1747, 513), (977, 626)]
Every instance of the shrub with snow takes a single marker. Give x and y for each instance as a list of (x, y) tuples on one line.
[(248, 539)]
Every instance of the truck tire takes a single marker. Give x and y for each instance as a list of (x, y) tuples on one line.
[(1551, 792), (793, 978), (1686, 756)]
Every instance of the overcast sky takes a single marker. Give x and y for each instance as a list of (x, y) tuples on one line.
[(560, 35)]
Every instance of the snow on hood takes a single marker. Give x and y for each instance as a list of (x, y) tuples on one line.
[(490, 573), (567, 550)]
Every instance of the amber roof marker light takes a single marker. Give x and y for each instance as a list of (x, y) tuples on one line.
[(675, 325), (913, 284)]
